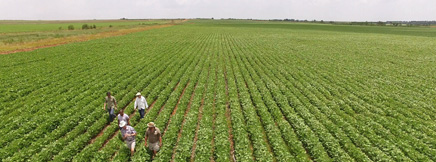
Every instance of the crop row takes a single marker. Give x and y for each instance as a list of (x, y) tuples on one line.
[(151, 91), (161, 105), (380, 128), (55, 120)]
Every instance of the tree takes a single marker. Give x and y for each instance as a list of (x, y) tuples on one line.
[(70, 27), (85, 26), (381, 23)]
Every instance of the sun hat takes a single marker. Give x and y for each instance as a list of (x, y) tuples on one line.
[(138, 94), (122, 123), (151, 124)]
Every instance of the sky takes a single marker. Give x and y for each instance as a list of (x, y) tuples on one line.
[(327, 10)]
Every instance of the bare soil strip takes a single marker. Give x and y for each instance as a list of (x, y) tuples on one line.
[(214, 121), (146, 112), (51, 42), (161, 108), (175, 108), (251, 142), (176, 86), (200, 115), (229, 120), (265, 138), (213, 136), (183, 122), (240, 107)]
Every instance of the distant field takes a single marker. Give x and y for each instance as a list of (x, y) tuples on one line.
[(228, 91), (35, 26), (24, 35)]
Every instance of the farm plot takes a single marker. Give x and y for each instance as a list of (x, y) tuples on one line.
[(227, 91)]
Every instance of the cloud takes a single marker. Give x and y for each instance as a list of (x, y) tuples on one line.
[(341, 10)]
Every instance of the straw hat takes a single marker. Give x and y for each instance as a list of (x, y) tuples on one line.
[(151, 124), (138, 94)]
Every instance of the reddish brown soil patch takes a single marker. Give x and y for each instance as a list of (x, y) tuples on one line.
[(213, 122), (51, 42), (229, 120), (99, 134), (161, 108), (34, 48), (175, 108), (183, 123), (200, 115)]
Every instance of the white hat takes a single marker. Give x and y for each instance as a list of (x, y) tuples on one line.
[(122, 123), (138, 94)]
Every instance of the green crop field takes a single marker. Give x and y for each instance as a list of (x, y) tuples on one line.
[(12, 26), (228, 90), (18, 32)]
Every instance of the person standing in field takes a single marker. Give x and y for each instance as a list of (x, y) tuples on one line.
[(140, 104), (123, 117), (154, 138), (111, 103), (128, 133)]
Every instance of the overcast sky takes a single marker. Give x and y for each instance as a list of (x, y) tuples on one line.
[(338, 10)]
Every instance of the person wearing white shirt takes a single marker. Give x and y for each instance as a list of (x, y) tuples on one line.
[(123, 117), (140, 104)]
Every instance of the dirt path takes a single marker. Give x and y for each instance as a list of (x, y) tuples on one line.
[(161, 108), (183, 123), (52, 42), (233, 75), (265, 137), (214, 120), (35, 48), (175, 108), (200, 115), (229, 120)]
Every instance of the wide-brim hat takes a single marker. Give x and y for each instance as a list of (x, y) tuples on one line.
[(123, 123), (138, 94), (151, 124)]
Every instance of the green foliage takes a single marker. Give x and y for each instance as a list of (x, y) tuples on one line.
[(85, 26), (70, 27), (13, 26), (244, 90)]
